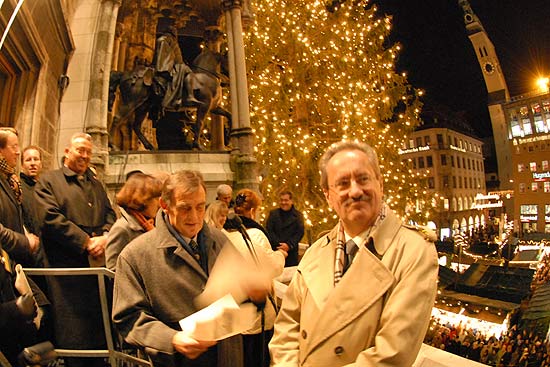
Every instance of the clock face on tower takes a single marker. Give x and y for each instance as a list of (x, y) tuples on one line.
[(488, 67)]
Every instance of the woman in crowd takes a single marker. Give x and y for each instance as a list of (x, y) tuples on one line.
[(138, 201), (251, 240), (216, 214)]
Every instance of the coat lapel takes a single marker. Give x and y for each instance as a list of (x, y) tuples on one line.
[(365, 283), (6, 187)]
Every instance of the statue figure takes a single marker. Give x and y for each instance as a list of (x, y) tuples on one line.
[(172, 71)]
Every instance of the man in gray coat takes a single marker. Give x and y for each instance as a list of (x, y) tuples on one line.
[(159, 275)]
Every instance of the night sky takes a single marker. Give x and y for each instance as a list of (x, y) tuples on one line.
[(438, 56)]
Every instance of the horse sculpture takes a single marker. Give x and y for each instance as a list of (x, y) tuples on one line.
[(141, 94)]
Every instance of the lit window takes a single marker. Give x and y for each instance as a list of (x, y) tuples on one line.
[(521, 167), (522, 188), (534, 186), (533, 166), (547, 186), (545, 165)]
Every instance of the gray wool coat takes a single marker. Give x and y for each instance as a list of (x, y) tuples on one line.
[(155, 284)]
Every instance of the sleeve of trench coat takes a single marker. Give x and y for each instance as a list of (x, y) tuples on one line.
[(284, 346)]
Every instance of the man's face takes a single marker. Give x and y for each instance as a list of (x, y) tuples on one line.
[(186, 211), (353, 191), (11, 152), (285, 202), (78, 155), (226, 198), (32, 164)]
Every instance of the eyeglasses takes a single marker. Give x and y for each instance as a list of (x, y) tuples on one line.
[(343, 185)]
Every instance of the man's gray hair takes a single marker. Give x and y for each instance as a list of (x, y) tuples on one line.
[(224, 189), (346, 145), (80, 135), (188, 180)]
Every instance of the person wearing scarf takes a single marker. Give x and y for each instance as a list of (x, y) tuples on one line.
[(363, 294), (138, 201), (21, 247)]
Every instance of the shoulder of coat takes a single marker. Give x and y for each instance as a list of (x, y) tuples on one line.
[(424, 231)]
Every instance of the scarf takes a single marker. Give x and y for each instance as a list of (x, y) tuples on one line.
[(340, 256), (13, 179), (146, 224)]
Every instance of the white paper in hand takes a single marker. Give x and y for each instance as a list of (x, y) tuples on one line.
[(220, 320)]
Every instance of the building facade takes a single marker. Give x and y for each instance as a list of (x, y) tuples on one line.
[(452, 164), (528, 122)]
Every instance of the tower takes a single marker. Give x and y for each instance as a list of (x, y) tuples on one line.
[(496, 88)]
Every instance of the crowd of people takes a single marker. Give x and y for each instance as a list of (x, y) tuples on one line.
[(515, 348), (174, 254)]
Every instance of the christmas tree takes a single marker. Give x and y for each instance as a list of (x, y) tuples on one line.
[(320, 72)]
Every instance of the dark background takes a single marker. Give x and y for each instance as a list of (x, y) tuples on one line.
[(438, 56)]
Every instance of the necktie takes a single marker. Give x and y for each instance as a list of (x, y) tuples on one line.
[(351, 250), (195, 250)]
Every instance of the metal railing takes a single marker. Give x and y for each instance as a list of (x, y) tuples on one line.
[(111, 352)]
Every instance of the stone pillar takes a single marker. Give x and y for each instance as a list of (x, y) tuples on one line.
[(95, 121), (242, 139)]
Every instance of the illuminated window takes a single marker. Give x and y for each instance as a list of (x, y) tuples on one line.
[(431, 183), (540, 125), (526, 121), (534, 186), (514, 125), (533, 166), (521, 167), (547, 186), (522, 188), (427, 140), (545, 165)]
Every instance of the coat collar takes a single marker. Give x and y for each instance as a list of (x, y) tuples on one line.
[(364, 283), (167, 241), (132, 222)]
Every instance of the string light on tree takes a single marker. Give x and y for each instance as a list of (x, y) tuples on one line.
[(320, 72)]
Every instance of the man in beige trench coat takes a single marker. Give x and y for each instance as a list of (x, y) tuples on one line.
[(371, 309)]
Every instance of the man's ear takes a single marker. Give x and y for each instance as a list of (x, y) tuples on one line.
[(326, 193)]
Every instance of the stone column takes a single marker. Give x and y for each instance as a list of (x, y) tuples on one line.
[(242, 139), (95, 121)]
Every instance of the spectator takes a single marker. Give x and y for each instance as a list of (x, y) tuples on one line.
[(270, 265), (31, 167), (285, 227), (160, 274), (224, 193), (21, 247), (17, 311), (216, 214), (138, 201), (374, 311), (77, 216)]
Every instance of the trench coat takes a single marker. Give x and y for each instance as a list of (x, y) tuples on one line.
[(156, 281), (376, 315), (69, 217)]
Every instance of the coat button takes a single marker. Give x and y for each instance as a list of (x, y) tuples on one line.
[(304, 334), (339, 350)]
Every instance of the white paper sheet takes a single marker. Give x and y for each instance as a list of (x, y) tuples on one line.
[(220, 320)]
